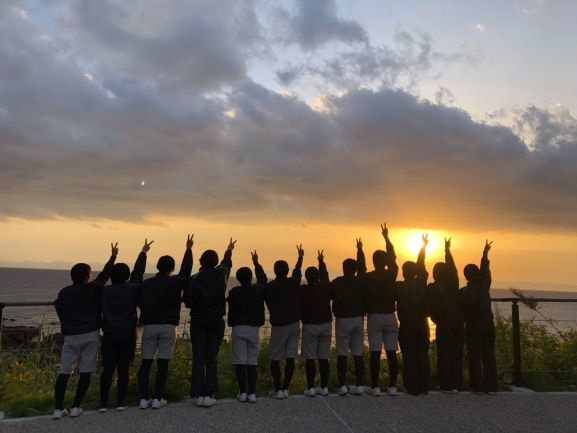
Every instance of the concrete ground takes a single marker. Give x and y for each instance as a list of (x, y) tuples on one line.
[(506, 412)]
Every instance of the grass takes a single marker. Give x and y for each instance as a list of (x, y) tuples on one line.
[(27, 375)]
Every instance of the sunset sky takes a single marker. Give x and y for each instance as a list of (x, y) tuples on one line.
[(281, 122)]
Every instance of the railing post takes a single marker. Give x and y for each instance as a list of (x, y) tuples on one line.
[(1, 321), (517, 375)]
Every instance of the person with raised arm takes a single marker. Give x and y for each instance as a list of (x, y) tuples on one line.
[(119, 318), (282, 296), (347, 293), (78, 309), (207, 302), (159, 303), (245, 317), (317, 326), (413, 308), (382, 326), (479, 328), (446, 312)]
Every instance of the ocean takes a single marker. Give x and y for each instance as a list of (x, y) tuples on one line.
[(18, 285)]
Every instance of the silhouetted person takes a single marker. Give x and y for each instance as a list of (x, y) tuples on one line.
[(160, 299), (207, 303), (412, 308), (382, 327), (282, 296), (347, 293), (446, 312), (317, 330), (119, 318), (480, 329), (245, 317), (78, 308)]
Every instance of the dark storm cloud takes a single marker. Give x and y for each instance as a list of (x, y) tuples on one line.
[(87, 115)]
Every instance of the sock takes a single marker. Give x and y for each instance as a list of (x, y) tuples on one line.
[(325, 371), (251, 373), (360, 370), (289, 369), (375, 368), (342, 370), (81, 388), (143, 377), (60, 390), (241, 377), (393, 364), (275, 373), (161, 376), (311, 372)]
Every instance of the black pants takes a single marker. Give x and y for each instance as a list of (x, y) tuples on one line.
[(450, 340), (481, 351), (414, 342), (205, 341), (117, 354)]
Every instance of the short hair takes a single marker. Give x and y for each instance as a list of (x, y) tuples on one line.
[(312, 274), (409, 269), (120, 273), (472, 272), (209, 259), (244, 275), (380, 259), (281, 268), (349, 266), (80, 273), (165, 265), (440, 271)]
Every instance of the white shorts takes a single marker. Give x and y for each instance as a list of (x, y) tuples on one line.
[(284, 341), (349, 333), (316, 342), (382, 329), (245, 345), (81, 349), (158, 338)]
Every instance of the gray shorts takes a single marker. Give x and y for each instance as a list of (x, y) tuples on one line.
[(284, 341), (158, 338), (349, 333), (382, 329), (81, 349), (316, 342), (245, 345)]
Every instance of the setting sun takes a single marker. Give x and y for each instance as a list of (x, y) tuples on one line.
[(414, 241)]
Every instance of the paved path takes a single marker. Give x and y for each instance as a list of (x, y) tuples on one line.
[(506, 412)]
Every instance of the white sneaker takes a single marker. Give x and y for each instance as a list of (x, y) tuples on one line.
[(157, 404), (58, 414), (75, 411), (343, 391), (285, 393), (324, 391), (375, 392), (310, 392), (121, 408), (279, 395), (199, 401), (242, 397), (144, 404), (392, 391), (103, 410), (252, 398), (208, 402), (357, 390)]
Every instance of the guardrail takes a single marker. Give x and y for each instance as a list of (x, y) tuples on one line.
[(516, 325)]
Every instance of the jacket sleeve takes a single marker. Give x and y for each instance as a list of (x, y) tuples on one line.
[(104, 275), (297, 275), (453, 274), (137, 274), (261, 277), (186, 265), (323, 273), (486, 271), (226, 264), (361, 263), (422, 273)]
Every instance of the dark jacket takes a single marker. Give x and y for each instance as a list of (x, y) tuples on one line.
[(78, 305), (161, 295), (283, 300), (316, 299), (246, 302), (412, 299), (476, 297), (206, 293), (380, 287), (119, 302), (444, 297), (347, 292)]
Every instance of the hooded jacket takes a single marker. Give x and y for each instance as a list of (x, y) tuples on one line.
[(476, 296), (444, 296)]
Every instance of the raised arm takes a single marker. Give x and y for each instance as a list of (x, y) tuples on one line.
[(323, 273), (140, 266), (392, 257), (421, 268), (186, 265), (226, 263), (452, 273), (297, 275), (104, 275), (261, 277), (361, 263), (485, 266)]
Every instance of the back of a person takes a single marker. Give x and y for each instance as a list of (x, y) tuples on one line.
[(78, 308), (445, 305), (119, 303), (160, 300), (316, 303), (380, 291), (476, 300), (208, 290), (283, 301), (412, 305), (246, 305), (347, 293)]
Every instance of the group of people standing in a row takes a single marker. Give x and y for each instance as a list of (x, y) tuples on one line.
[(460, 314)]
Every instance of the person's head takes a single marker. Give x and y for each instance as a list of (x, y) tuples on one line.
[(80, 273), (244, 275), (349, 267), (312, 275), (165, 265), (120, 273), (380, 259), (409, 270), (472, 272), (209, 259), (440, 272), (281, 268)]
